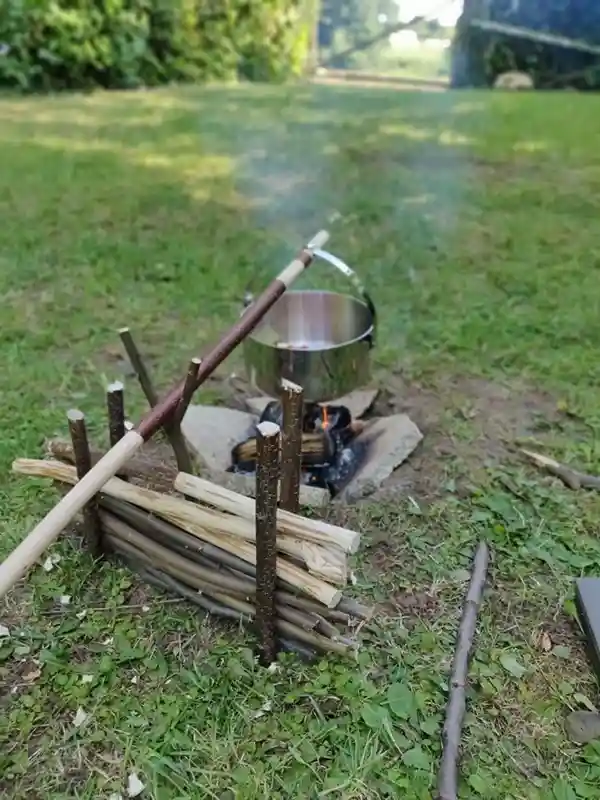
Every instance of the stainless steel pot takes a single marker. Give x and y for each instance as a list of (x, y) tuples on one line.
[(319, 340)]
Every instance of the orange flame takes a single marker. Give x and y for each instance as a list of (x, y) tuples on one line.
[(325, 421)]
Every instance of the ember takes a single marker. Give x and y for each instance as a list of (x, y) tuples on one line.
[(332, 451)]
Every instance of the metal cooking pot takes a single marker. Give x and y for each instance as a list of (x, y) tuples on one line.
[(319, 340)]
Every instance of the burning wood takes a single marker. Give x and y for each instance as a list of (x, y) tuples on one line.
[(331, 452)]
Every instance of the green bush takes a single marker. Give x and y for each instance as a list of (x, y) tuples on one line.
[(49, 45)]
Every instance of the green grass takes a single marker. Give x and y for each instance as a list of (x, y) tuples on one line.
[(473, 218)]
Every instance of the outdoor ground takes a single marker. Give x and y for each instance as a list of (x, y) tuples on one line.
[(473, 218)]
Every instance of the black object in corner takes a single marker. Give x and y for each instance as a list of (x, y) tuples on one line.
[(587, 599)]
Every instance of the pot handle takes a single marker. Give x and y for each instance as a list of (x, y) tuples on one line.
[(349, 273)]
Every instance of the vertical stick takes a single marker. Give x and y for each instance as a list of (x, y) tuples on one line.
[(170, 426), (116, 412), (292, 401), (137, 362), (83, 464), (267, 480), (189, 388)]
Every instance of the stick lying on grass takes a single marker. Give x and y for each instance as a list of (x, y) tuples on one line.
[(455, 710), (570, 477), (227, 533)]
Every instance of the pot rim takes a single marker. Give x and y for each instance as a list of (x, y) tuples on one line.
[(367, 332)]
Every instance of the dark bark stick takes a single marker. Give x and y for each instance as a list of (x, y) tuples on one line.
[(139, 367), (154, 527), (455, 710), (292, 401), (163, 555), (170, 426), (189, 387), (267, 483), (244, 610), (83, 463), (116, 412), (570, 477)]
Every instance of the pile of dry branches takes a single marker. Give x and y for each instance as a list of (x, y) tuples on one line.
[(204, 549)]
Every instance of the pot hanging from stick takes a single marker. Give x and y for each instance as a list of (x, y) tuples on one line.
[(320, 340)]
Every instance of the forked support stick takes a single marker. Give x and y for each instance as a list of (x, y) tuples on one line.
[(49, 528)]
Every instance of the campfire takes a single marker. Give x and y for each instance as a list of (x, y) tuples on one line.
[(332, 451)]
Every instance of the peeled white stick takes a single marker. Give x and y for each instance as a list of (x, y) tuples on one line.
[(45, 532), (288, 523), (183, 514)]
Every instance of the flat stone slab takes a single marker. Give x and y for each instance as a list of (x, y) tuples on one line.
[(213, 431), (358, 402), (390, 442)]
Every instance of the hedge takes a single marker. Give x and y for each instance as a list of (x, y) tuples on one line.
[(51, 45)]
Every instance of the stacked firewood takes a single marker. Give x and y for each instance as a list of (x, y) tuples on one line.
[(203, 549)]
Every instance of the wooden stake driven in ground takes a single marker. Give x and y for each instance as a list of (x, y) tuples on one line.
[(49, 528), (267, 484), (170, 425), (292, 401), (455, 710), (92, 531), (115, 406), (188, 390)]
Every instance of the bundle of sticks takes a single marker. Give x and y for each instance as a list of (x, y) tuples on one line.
[(204, 550)]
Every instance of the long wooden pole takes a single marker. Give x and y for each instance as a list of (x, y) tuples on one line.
[(49, 528)]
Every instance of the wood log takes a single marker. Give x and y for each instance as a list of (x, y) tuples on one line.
[(183, 514), (328, 564), (309, 530)]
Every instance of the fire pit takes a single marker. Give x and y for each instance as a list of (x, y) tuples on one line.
[(332, 449), (347, 456)]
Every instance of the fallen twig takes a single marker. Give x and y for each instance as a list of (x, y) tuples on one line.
[(455, 710), (570, 477)]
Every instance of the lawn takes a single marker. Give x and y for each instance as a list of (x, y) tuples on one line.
[(473, 218)]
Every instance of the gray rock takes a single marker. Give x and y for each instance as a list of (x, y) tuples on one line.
[(212, 432), (583, 726), (390, 441)]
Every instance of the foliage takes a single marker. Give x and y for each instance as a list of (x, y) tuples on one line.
[(480, 56), (50, 45), (345, 24)]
